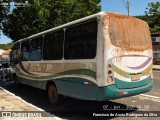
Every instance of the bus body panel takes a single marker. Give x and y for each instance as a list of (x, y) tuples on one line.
[(70, 88), (112, 92), (100, 55)]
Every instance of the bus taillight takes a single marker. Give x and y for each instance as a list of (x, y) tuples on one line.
[(109, 66), (109, 72), (109, 79)]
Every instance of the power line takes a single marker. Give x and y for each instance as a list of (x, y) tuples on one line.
[(127, 6)]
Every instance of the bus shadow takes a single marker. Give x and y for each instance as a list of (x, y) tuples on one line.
[(70, 108)]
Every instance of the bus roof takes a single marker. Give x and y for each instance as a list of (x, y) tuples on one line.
[(68, 24)]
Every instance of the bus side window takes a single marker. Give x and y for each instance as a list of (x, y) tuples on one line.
[(25, 50), (81, 41), (15, 54), (53, 45), (36, 49)]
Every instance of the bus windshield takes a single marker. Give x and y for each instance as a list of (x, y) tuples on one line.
[(129, 33)]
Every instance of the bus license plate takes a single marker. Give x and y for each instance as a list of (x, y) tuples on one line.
[(135, 77)]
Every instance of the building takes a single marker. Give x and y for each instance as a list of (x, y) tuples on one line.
[(1, 51), (4, 57), (156, 47)]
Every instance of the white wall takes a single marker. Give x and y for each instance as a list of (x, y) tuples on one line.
[(1, 51)]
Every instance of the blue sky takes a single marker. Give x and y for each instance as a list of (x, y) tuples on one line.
[(137, 7)]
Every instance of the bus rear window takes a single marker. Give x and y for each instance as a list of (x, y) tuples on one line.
[(129, 33)]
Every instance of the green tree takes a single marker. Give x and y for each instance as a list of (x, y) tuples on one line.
[(46, 14), (152, 16), (3, 13), (6, 46)]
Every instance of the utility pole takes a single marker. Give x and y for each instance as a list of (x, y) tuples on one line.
[(128, 6)]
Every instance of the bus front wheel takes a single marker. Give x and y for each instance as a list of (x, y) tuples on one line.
[(53, 94)]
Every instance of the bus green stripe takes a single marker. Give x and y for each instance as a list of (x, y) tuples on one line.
[(126, 85), (120, 72), (86, 72), (127, 74)]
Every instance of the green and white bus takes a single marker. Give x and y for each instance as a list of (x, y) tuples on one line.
[(100, 57)]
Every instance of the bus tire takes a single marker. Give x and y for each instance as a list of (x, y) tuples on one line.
[(53, 95), (16, 84)]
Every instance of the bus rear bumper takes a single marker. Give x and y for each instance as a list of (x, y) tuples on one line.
[(112, 92)]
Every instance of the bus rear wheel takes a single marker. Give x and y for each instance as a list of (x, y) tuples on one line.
[(53, 94)]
